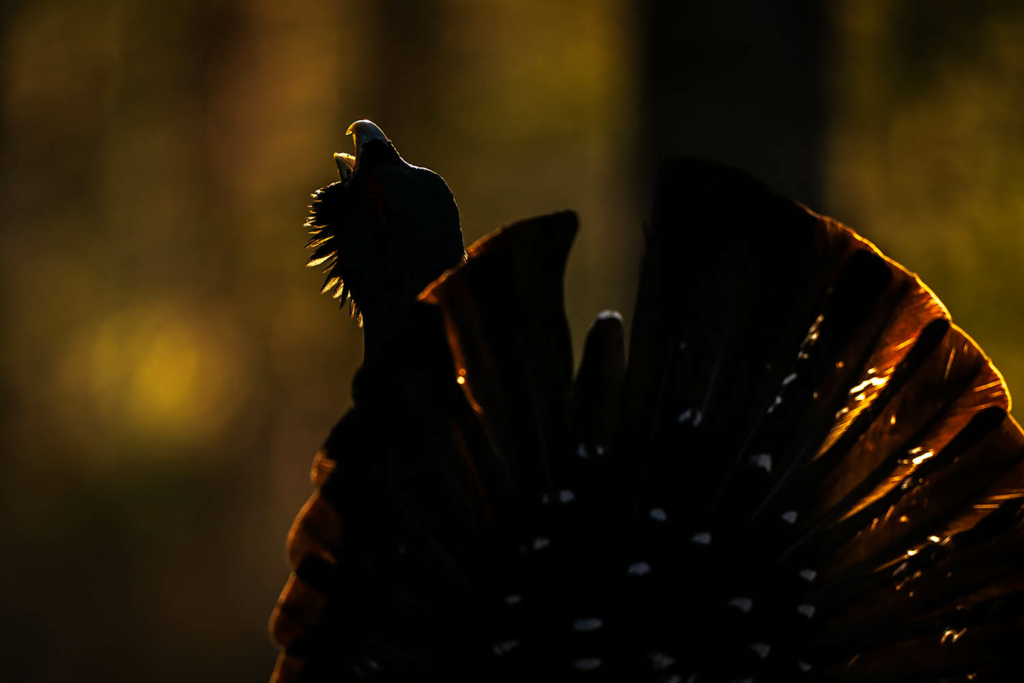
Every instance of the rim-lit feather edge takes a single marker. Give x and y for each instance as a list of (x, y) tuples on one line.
[(322, 225)]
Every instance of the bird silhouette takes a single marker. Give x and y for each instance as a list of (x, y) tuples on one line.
[(385, 231), (804, 472)]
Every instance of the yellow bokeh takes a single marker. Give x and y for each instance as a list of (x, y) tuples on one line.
[(151, 374)]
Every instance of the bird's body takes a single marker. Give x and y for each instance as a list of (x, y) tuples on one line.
[(803, 471)]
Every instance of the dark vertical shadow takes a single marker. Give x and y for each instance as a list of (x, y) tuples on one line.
[(406, 87), (739, 82)]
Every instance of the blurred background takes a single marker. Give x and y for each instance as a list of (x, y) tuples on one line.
[(168, 369)]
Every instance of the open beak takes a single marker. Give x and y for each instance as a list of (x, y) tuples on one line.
[(361, 131), (346, 164)]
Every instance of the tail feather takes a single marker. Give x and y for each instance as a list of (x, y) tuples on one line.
[(505, 323)]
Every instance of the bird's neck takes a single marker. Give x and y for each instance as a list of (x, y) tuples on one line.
[(383, 330)]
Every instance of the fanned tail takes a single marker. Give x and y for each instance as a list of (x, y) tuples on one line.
[(804, 472), (817, 426)]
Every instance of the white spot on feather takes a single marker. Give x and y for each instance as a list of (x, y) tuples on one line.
[(660, 660), (638, 569), (703, 538), (741, 603), (505, 647), (587, 625)]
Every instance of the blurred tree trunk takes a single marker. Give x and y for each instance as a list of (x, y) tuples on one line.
[(739, 82), (403, 83)]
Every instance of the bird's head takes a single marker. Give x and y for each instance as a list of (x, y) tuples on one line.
[(372, 146), (384, 231)]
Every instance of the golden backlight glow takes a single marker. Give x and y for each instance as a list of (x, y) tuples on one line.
[(164, 379), (154, 374)]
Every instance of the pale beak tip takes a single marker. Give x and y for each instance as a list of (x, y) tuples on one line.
[(346, 164), (357, 124)]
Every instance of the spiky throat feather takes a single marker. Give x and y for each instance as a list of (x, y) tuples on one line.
[(323, 222)]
